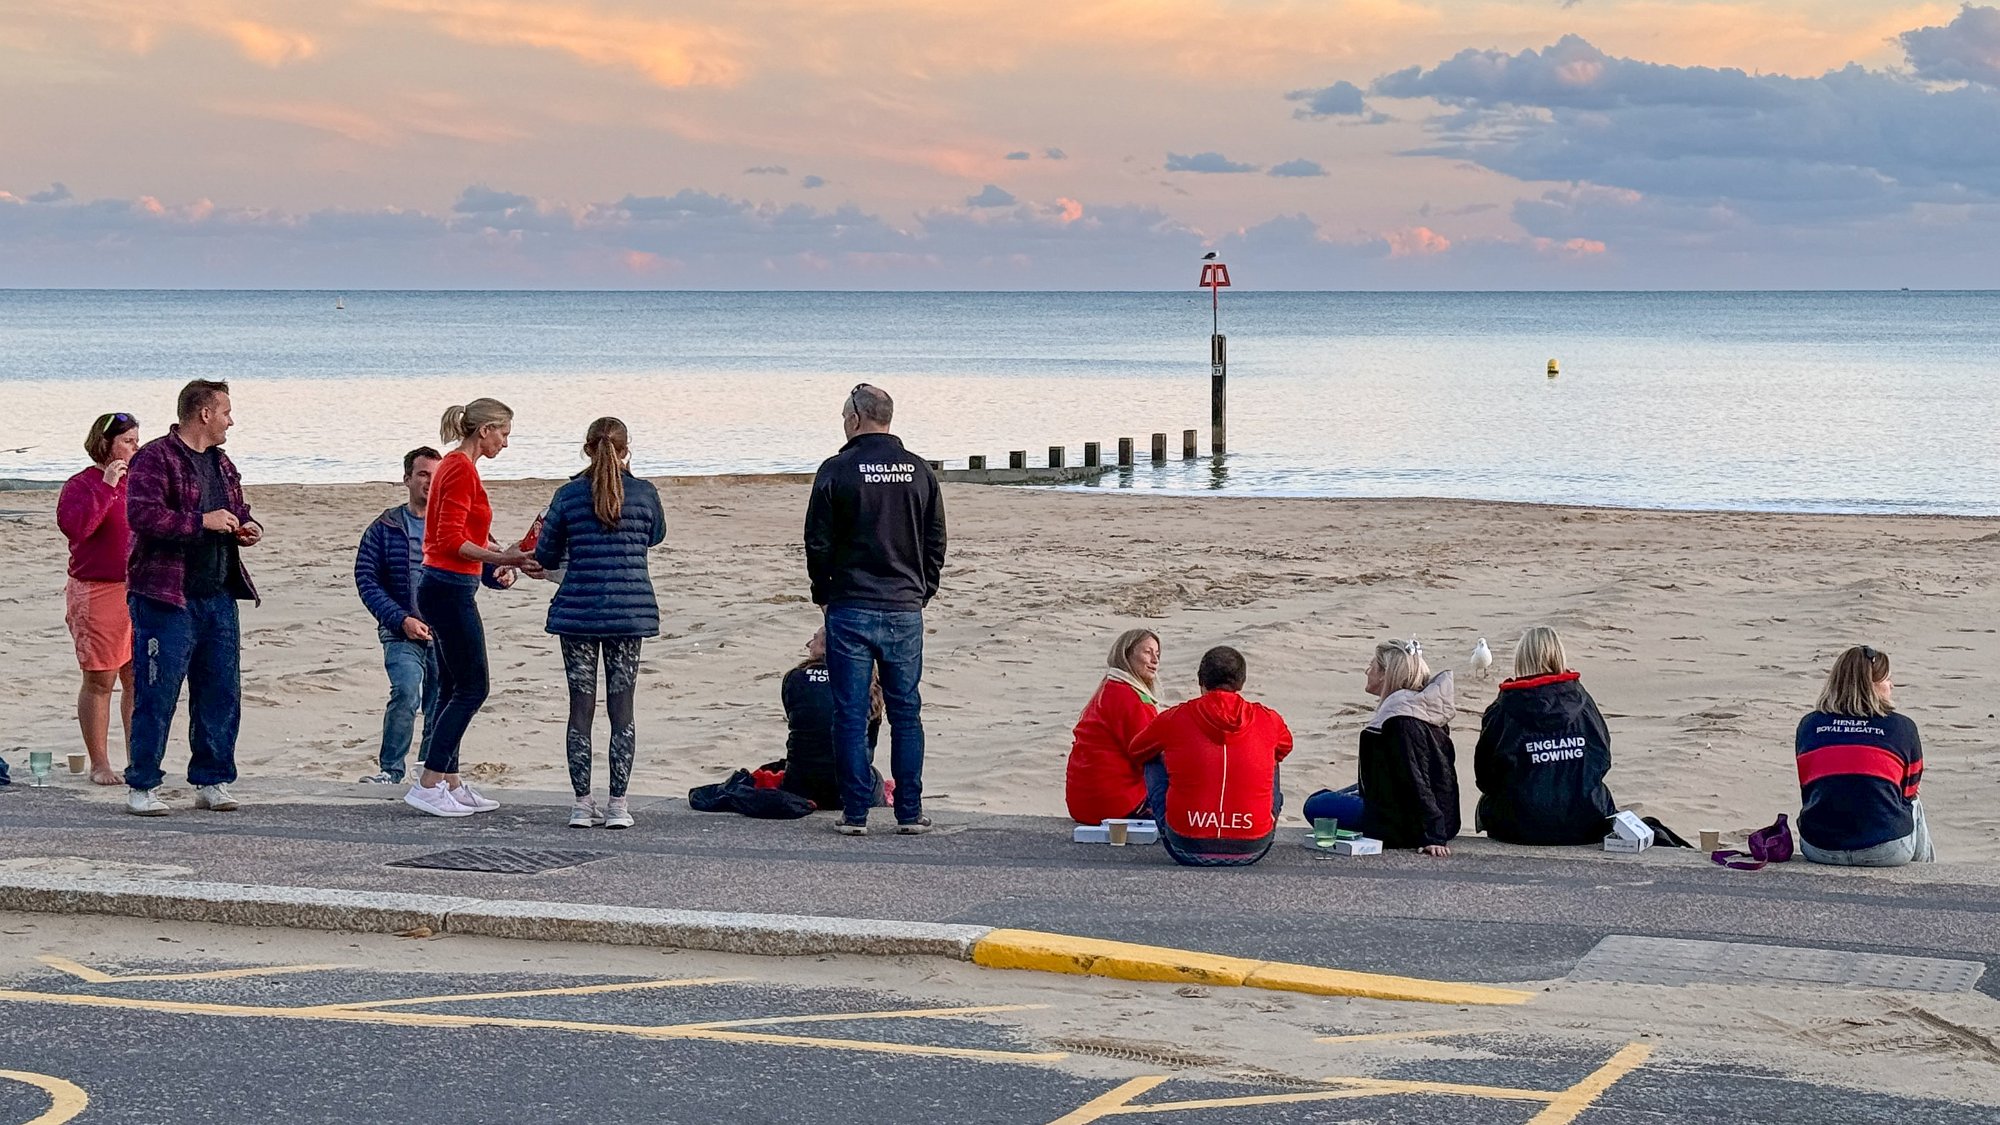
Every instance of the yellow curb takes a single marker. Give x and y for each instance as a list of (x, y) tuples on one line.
[(1061, 953)]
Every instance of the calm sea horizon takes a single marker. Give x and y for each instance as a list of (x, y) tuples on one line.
[(1837, 401)]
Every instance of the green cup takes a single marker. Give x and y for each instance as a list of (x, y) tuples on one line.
[(40, 764), (1325, 831)]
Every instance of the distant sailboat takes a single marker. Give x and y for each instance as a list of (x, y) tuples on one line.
[(338, 303)]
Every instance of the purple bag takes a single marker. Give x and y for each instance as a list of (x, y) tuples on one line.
[(1767, 845)]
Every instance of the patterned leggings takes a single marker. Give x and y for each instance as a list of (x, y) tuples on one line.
[(621, 680)]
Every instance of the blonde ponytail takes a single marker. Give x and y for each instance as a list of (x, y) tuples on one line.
[(461, 422), (605, 444)]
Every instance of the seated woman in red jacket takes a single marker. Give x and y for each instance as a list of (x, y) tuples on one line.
[(1212, 770), (1104, 783)]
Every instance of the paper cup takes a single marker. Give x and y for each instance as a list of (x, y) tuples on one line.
[(1711, 840), (1117, 831), (77, 761)]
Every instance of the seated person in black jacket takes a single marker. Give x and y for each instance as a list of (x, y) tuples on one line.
[(1543, 752), (1407, 795), (808, 696)]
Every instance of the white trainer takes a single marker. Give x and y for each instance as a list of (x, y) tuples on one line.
[(471, 798), (583, 814), (145, 802), (215, 798), (618, 815), (435, 800)]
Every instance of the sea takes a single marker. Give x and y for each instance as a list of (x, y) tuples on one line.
[(1807, 401)]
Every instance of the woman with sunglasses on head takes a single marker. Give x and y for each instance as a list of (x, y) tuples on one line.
[(1407, 795), (1859, 766), (91, 513)]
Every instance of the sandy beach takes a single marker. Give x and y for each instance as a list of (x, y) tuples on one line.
[(1703, 636)]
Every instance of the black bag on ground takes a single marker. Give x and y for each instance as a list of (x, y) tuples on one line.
[(740, 795), (1664, 836)]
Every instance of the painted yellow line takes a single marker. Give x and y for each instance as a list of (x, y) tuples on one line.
[(1111, 1101), (1374, 1086), (842, 1017), (1573, 1101), (66, 1098), (95, 976), (441, 1019), (578, 990), (1389, 1036), (1061, 953)]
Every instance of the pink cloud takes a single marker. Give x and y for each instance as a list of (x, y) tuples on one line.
[(1415, 242)]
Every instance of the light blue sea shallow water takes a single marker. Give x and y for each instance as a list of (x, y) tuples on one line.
[(1881, 402)]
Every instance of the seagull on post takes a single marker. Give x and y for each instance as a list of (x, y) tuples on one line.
[(1208, 257), (1482, 658)]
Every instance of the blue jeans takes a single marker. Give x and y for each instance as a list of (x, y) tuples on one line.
[(1914, 848), (860, 641), (1207, 853), (198, 646), (413, 685), (1343, 805)]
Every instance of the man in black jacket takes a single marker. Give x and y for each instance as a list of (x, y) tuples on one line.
[(874, 550)]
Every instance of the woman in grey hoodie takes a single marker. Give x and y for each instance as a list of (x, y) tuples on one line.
[(1407, 795)]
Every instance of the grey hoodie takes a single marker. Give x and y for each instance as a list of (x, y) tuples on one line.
[(1435, 704)]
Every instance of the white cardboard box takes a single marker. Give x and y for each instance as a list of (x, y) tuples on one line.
[(1090, 834), (1136, 832), (1629, 834), (1359, 845)]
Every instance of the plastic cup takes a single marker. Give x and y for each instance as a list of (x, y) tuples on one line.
[(1116, 831), (40, 762), (1326, 830), (78, 761)]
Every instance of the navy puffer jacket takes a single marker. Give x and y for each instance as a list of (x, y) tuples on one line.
[(606, 590)]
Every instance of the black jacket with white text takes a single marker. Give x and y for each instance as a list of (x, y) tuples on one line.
[(875, 527), (1540, 764)]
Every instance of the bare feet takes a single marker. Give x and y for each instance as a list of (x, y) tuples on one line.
[(105, 775)]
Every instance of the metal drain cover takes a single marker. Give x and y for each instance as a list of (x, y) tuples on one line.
[(500, 860), (1675, 961)]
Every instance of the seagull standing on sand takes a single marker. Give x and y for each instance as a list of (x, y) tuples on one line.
[(1482, 658)]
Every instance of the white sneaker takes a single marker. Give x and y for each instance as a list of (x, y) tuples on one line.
[(380, 777), (435, 800), (145, 802), (470, 798), (583, 814), (618, 815), (215, 798)]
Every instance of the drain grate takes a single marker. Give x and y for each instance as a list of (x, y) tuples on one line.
[(1674, 961), (500, 860)]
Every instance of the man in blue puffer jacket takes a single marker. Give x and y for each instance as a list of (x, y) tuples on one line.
[(386, 569), (597, 532)]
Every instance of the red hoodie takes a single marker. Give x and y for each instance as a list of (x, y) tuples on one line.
[(1222, 753), (1103, 780)]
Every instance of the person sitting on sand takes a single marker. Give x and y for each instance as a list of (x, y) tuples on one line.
[(1103, 782), (1543, 752), (1211, 768), (807, 692), (91, 513), (1859, 766), (1407, 796)]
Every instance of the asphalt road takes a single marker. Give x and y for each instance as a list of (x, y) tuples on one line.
[(111, 1020)]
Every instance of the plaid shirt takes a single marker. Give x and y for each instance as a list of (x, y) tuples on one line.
[(163, 505)]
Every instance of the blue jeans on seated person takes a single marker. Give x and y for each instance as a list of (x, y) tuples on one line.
[(860, 641), (1914, 848), (413, 687), (1189, 852), (1343, 805)]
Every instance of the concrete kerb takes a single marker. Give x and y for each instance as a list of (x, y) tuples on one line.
[(777, 935)]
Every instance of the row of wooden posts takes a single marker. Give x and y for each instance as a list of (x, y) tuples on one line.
[(1092, 454)]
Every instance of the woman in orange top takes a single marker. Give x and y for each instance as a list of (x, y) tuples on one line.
[(458, 540), (1103, 782)]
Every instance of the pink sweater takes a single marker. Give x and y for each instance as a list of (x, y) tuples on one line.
[(92, 514)]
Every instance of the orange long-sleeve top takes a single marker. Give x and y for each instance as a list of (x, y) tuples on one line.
[(457, 513)]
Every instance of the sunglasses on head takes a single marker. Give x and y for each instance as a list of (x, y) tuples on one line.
[(105, 423), (1870, 653)]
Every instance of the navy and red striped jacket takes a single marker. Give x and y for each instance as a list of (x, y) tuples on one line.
[(1857, 777)]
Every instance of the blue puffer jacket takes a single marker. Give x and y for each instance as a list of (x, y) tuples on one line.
[(386, 568), (606, 590)]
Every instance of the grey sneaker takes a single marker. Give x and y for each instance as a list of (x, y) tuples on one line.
[(215, 798), (381, 777), (848, 827), (915, 827), (618, 814), (145, 802), (584, 813)]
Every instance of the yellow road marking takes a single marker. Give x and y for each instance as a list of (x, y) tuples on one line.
[(96, 976), (1386, 1036), (66, 1099), (441, 1019), (1111, 1101), (1414, 1086), (578, 990), (842, 1017), (1573, 1101)]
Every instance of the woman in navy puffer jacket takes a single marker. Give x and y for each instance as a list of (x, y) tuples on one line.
[(597, 532)]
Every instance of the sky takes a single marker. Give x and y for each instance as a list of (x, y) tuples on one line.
[(999, 144)]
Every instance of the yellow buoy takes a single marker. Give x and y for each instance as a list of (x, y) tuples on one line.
[(1554, 369)]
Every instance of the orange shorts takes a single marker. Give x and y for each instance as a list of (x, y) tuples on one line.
[(100, 623)]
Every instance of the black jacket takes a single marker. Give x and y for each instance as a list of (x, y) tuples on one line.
[(875, 527), (1540, 764), (809, 761), (1409, 768)]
